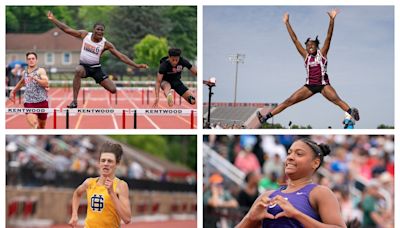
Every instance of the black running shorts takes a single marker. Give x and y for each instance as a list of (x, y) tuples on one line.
[(95, 72), (315, 88), (178, 86)]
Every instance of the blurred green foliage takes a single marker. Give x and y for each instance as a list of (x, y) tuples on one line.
[(180, 149), (150, 50)]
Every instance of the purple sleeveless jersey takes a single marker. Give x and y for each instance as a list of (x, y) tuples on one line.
[(316, 66), (299, 199)]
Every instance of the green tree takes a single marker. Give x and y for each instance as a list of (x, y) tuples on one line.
[(89, 15), (150, 50), (129, 25), (295, 126), (183, 33), (12, 22), (183, 150), (384, 126), (33, 19), (272, 126), (153, 144)]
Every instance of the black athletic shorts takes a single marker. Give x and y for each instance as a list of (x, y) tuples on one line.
[(178, 86), (95, 72), (315, 88)]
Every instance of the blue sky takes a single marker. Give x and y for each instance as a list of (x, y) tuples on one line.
[(360, 59)]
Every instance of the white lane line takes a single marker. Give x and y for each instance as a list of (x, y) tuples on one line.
[(145, 116)]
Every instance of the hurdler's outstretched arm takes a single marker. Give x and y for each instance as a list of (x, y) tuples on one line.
[(73, 32)]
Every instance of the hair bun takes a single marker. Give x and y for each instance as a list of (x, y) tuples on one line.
[(325, 149)]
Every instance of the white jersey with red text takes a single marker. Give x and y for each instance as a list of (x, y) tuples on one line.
[(91, 51)]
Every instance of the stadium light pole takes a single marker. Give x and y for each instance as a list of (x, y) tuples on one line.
[(236, 58)]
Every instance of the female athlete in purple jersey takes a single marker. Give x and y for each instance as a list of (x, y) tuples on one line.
[(300, 203), (315, 60)]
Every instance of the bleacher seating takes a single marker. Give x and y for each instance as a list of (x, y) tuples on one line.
[(239, 115)]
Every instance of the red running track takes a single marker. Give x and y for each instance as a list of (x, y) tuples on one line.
[(100, 98), (157, 224)]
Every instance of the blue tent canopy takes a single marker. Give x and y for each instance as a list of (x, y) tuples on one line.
[(15, 62)]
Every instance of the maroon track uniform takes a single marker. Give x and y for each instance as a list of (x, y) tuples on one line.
[(35, 94), (316, 66)]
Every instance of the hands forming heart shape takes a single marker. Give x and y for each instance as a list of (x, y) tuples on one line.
[(259, 210)]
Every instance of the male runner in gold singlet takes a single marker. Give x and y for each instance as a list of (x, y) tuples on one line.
[(107, 196)]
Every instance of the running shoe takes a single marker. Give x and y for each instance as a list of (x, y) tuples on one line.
[(355, 114), (261, 118), (73, 104), (170, 98)]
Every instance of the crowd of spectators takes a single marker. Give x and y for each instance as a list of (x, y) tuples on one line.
[(13, 75), (67, 154), (225, 125), (359, 170)]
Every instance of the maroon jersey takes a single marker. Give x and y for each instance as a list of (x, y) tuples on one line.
[(316, 66)]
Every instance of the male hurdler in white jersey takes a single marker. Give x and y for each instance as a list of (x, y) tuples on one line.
[(93, 46), (315, 61)]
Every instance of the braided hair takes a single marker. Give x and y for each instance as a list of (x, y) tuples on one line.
[(320, 150)]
